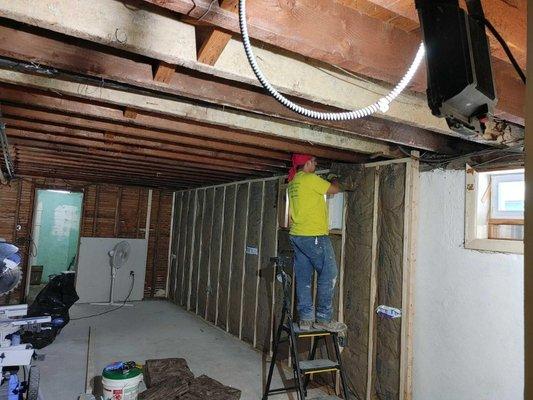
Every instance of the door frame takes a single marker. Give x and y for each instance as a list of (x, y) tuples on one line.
[(35, 189)]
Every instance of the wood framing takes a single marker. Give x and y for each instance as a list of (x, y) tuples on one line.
[(373, 288), (213, 46), (528, 232), (164, 72), (55, 53), (220, 255), (412, 178)]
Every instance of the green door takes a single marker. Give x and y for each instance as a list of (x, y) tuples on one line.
[(56, 230)]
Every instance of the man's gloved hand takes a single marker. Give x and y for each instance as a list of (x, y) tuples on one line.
[(332, 177)]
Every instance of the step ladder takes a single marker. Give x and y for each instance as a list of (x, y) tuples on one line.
[(302, 369)]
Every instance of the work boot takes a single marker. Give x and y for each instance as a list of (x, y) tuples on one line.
[(305, 326), (331, 326)]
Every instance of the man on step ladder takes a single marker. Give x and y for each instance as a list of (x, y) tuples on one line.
[(309, 236)]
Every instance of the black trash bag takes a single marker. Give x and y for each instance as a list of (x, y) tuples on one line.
[(54, 300)]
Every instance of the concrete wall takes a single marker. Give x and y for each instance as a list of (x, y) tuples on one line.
[(469, 325)]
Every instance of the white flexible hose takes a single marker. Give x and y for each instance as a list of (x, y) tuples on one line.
[(380, 105)]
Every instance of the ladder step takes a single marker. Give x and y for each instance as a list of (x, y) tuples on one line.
[(318, 365), (326, 398), (310, 333)]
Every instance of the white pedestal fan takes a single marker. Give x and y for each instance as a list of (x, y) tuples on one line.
[(118, 257)]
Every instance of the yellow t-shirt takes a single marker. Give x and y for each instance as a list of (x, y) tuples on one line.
[(307, 205)]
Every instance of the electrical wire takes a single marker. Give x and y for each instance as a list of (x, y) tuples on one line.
[(441, 160), (382, 105), (114, 309), (506, 48)]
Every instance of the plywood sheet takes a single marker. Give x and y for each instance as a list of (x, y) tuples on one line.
[(205, 251), (93, 276), (389, 283), (251, 261), (225, 258), (214, 260), (239, 241), (357, 270), (266, 269)]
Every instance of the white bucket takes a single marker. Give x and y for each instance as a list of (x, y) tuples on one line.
[(121, 389)]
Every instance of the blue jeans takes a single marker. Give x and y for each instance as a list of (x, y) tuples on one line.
[(314, 253)]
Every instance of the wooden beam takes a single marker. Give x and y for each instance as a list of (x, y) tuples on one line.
[(164, 71), (80, 175), (528, 228), (98, 111), (509, 18), (215, 40), (383, 54), (122, 148), (48, 101), (55, 161), (74, 170), (56, 118), (125, 157), (130, 113), (202, 114), (305, 80), (85, 158), (33, 47), (192, 154), (39, 148), (213, 45)]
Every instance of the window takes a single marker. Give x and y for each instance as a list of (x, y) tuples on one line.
[(495, 210)]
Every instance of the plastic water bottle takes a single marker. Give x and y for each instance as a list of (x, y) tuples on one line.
[(15, 339), (14, 387), (388, 312)]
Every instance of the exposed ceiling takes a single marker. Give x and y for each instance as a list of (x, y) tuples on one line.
[(84, 97)]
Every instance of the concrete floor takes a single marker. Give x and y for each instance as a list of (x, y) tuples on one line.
[(150, 329)]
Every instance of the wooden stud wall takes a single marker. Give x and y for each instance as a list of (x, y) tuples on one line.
[(226, 238), (235, 231), (108, 211)]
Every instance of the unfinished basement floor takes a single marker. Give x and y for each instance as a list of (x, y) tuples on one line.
[(150, 329)]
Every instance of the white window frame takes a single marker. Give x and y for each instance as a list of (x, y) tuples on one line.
[(476, 231), (495, 180)]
